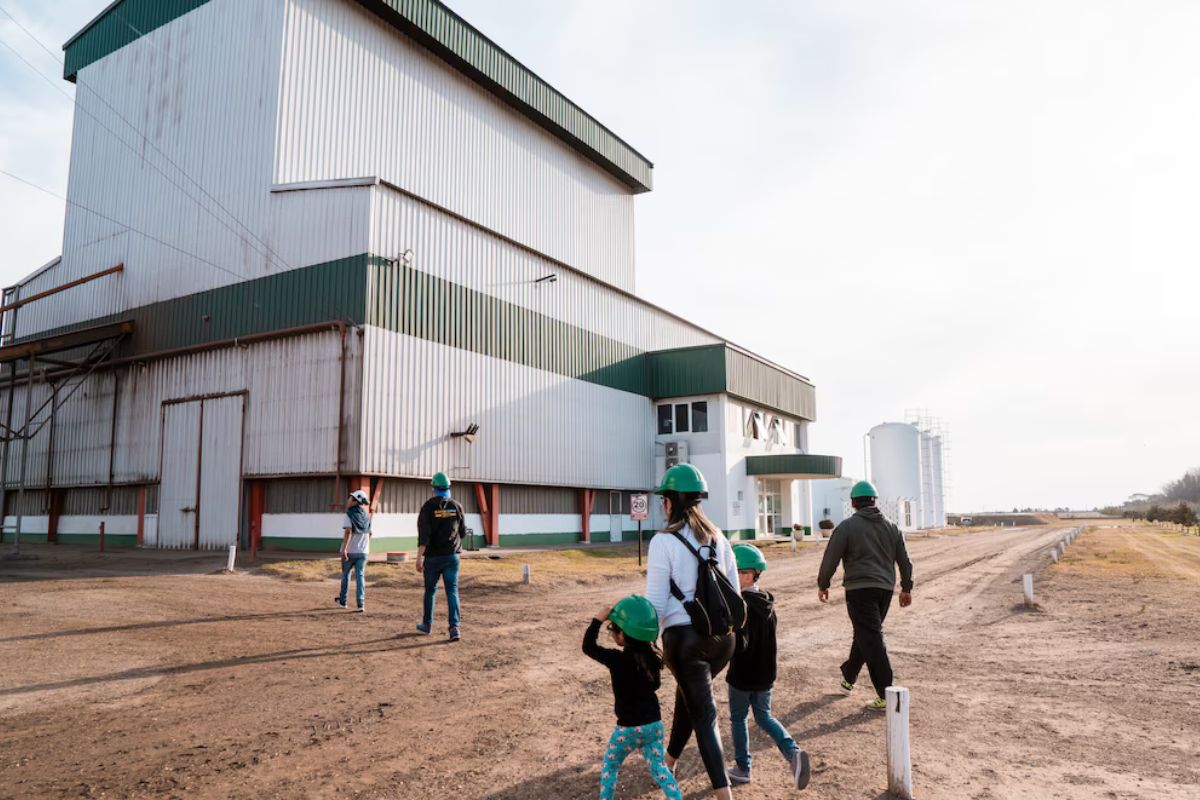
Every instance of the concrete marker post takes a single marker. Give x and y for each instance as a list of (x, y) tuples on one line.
[(1028, 581), (899, 760), (1054, 555), (525, 576), (232, 557)]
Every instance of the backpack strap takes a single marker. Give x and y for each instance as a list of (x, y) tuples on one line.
[(703, 562)]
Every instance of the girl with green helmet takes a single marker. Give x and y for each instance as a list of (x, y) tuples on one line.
[(694, 657), (635, 671)]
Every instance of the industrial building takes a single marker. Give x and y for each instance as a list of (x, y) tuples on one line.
[(318, 245)]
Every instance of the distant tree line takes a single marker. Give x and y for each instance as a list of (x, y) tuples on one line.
[(1177, 502)]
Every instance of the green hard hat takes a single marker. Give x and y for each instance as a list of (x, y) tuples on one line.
[(683, 478), (440, 481), (636, 617), (748, 556), (863, 489)]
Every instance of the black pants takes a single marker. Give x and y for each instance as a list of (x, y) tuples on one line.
[(868, 608), (695, 660)]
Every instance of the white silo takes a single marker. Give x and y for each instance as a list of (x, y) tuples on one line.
[(939, 484), (925, 454), (896, 470)]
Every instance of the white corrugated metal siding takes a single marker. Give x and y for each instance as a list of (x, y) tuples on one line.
[(359, 98), (178, 498), (535, 426), (203, 91), (220, 472), (291, 417), (459, 252)]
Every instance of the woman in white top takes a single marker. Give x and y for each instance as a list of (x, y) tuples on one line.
[(693, 659)]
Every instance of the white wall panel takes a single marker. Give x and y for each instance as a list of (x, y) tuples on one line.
[(359, 98), (291, 417), (201, 92), (535, 427), (466, 255)]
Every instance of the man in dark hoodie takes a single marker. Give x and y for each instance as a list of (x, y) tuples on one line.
[(440, 529), (869, 548), (752, 674)]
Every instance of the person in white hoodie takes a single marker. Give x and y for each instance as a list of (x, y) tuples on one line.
[(693, 659)]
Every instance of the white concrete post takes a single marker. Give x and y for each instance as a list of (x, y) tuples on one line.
[(525, 576), (232, 556), (898, 755), (1028, 590), (1054, 555)]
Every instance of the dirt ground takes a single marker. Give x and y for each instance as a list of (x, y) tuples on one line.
[(152, 675)]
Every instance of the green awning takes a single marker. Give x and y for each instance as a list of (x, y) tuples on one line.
[(794, 466)]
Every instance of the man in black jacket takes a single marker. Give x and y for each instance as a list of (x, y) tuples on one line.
[(752, 674), (869, 548), (440, 529)]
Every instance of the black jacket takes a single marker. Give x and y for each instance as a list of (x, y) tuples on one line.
[(870, 548), (635, 696), (440, 527), (753, 666)]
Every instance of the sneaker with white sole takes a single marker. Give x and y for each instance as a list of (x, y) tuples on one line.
[(340, 601), (847, 686), (455, 635), (738, 775), (423, 628), (878, 704), (801, 772)]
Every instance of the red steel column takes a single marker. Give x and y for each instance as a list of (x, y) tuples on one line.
[(586, 498), (257, 495), (141, 529), (494, 507)]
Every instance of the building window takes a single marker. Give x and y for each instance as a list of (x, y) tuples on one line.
[(754, 425), (681, 418), (799, 436), (777, 433), (700, 417), (665, 424)]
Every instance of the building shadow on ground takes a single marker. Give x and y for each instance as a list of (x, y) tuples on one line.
[(388, 644), (173, 623)]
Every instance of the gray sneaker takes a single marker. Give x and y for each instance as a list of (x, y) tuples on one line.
[(801, 773), (738, 775)]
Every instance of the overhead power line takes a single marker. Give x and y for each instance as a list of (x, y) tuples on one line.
[(266, 251), (129, 228)]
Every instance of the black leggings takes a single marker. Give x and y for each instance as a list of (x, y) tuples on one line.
[(694, 661)]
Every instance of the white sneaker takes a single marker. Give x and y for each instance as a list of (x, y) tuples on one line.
[(801, 772)]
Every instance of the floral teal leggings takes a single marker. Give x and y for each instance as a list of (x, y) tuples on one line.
[(623, 742)]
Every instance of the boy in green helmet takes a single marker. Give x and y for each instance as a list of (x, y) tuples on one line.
[(752, 674)]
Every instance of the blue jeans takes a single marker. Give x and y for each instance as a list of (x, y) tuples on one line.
[(359, 562), (444, 568), (740, 705)]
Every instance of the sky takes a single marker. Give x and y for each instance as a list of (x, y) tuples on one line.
[(985, 210)]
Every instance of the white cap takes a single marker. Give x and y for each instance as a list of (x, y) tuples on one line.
[(360, 496)]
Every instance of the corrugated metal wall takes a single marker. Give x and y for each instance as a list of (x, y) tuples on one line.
[(291, 417), (763, 383), (465, 255), (536, 427), (359, 98)]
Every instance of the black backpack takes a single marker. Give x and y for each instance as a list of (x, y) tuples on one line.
[(717, 607)]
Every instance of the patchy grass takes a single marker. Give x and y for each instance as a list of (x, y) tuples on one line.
[(1134, 551), (501, 569)]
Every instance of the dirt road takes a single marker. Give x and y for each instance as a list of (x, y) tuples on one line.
[(127, 677)]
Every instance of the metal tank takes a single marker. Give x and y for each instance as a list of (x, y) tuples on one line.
[(939, 484), (896, 467)]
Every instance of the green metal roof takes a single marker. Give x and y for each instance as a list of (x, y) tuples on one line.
[(725, 368), (436, 27), (795, 465)]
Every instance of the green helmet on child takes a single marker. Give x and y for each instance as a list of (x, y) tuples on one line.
[(440, 481), (748, 556), (636, 618)]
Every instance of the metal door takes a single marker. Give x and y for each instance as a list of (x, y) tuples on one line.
[(179, 492), (220, 472), (201, 479), (615, 520)]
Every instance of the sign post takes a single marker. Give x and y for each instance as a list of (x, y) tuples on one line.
[(639, 509)]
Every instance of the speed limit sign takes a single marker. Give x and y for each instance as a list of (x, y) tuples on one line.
[(639, 507)]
